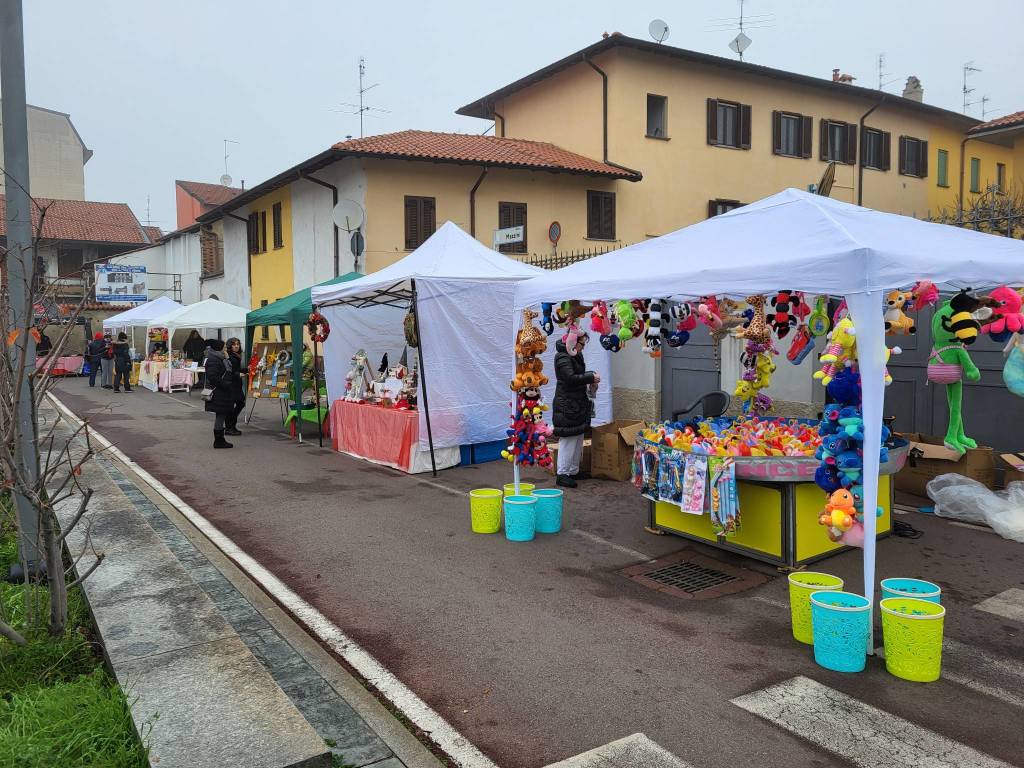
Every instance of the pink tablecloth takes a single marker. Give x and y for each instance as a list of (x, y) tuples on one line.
[(64, 366), (382, 435), (169, 376)]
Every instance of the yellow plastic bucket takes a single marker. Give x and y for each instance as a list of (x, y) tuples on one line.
[(525, 489), (802, 584), (485, 510), (912, 632)]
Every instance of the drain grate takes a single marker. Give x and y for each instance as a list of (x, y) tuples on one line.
[(690, 577)]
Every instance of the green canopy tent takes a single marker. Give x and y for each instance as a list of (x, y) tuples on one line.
[(292, 311)]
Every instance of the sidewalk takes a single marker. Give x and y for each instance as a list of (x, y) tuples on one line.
[(131, 521)]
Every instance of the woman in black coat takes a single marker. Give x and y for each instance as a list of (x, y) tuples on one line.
[(122, 362), (234, 350), (221, 402), (570, 410)]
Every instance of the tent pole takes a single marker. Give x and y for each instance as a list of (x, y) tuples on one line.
[(423, 374), (316, 393)]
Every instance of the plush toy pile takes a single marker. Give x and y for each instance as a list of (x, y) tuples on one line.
[(528, 434), (745, 436)]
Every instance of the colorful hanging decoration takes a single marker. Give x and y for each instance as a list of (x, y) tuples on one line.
[(897, 322), (528, 434), (955, 325), (318, 327), (818, 322), (1007, 317)]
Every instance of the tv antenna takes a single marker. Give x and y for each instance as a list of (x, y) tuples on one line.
[(361, 108), (741, 24), (968, 69), (658, 30), (985, 109), (882, 74), (225, 180), (149, 222)]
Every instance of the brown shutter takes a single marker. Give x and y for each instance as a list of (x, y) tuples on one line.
[(263, 231), (823, 138), (923, 162), (712, 121), (776, 132), (806, 128), (903, 154), (712, 208), (851, 144), (744, 126), (411, 223), (886, 150), (427, 222), (504, 215)]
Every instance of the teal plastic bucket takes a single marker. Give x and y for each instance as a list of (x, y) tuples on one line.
[(520, 517), (549, 509), (842, 628), (919, 589)]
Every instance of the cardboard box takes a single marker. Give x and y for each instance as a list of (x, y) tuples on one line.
[(1013, 472), (612, 449), (929, 458), (585, 458)]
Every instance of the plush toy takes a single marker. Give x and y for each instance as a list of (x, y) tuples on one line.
[(547, 324), (709, 313), (896, 322), (925, 295), (818, 322), (953, 326), (845, 387), (1007, 314), (841, 351), (826, 476), (530, 343), (657, 326), (757, 330), (783, 318), (600, 322), (627, 317), (685, 321)]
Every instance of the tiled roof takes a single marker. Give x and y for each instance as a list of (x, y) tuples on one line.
[(1006, 121), (153, 233), (476, 150), (209, 194), (82, 220)]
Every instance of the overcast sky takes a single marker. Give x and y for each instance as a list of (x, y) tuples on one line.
[(154, 87)]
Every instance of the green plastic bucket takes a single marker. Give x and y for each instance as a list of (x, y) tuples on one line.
[(802, 584), (912, 632), (485, 510), (525, 489)]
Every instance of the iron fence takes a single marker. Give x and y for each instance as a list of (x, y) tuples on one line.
[(995, 212), (560, 259)]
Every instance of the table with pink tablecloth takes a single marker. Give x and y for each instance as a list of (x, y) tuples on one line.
[(68, 365), (384, 436), (155, 376)]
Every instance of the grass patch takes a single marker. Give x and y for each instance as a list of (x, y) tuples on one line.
[(58, 705)]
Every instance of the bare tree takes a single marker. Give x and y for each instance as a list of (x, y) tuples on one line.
[(995, 211), (61, 455)]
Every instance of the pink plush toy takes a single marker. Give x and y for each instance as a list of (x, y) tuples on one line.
[(600, 322), (1008, 316), (709, 314), (925, 295)]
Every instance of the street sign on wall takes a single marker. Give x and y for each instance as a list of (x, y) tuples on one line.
[(508, 235), (121, 284)]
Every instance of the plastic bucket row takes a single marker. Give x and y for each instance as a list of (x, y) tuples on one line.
[(527, 513), (838, 624)]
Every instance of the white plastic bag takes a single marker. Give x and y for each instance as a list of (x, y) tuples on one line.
[(962, 498)]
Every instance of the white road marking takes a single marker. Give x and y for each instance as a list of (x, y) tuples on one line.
[(770, 601), (457, 746), (866, 736), (617, 547), (636, 751), (1008, 604)]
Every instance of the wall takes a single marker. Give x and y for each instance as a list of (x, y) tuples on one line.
[(944, 198), (233, 285), (178, 255), (188, 207), (56, 156), (272, 270)]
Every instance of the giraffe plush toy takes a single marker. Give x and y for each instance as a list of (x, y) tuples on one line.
[(757, 331)]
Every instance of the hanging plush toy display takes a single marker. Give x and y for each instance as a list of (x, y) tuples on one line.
[(783, 317), (896, 320), (685, 321), (657, 326), (818, 322), (1006, 314), (528, 433), (955, 326)]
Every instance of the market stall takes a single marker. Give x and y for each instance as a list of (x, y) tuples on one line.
[(451, 298), (165, 370), (825, 248), (292, 312), (65, 365)]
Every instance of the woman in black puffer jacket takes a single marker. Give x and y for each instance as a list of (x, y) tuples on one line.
[(570, 410), (222, 400)]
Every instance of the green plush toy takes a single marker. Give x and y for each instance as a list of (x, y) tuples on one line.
[(953, 326)]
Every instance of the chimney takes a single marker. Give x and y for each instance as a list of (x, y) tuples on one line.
[(835, 75), (842, 78), (913, 89)]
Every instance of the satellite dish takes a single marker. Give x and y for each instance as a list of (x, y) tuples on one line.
[(348, 215), (740, 43), (658, 29), (226, 180)]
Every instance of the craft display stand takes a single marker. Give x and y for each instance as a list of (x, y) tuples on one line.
[(260, 386), (779, 506)]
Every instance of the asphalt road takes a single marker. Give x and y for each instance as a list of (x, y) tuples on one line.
[(539, 651)]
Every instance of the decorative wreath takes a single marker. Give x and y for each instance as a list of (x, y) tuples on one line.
[(318, 327)]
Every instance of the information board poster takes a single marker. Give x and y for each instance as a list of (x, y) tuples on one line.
[(121, 284)]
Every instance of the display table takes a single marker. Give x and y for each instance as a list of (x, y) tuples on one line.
[(155, 376), (779, 506), (384, 436), (69, 365)]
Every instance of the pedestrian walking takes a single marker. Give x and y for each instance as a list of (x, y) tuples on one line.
[(122, 362), (44, 345), (94, 356), (107, 371), (571, 408), (234, 350), (221, 398)]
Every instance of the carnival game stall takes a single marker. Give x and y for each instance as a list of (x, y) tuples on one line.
[(276, 369), (164, 370), (882, 265), (444, 314)]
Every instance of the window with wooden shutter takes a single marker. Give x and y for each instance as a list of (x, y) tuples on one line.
[(712, 121), (942, 168), (788, 134), (252, 233), (728, 124), (277, 225), (744, 126), (975, 174), (512, 215), (806, 128), (600, 215), (263, 232), (211, 252), (851, 144), (913, 157), (419, 220), (719, 206), (838, 142), (874, 149)]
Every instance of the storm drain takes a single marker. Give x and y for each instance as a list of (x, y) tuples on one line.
[(690, 577)]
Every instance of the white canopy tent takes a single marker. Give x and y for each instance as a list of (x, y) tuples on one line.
[(805, 242), (462, 292), (141, 315), (209, 313)]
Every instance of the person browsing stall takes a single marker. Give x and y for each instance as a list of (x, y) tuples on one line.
[(94, 356), (122, 362), (234, 350), (571, 408), (220, 401)]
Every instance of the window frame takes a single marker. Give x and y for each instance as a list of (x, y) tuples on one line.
[(415, 240), (599, 232), (884, 148), (975, 175), (717, 203), (783, 150), (663, 136), (208, 235), (252, 232), (1001, 178), (277, 225), (733, 108), (849, 156), (913, 157), (510, 208), (942, 168), (743, 123)]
